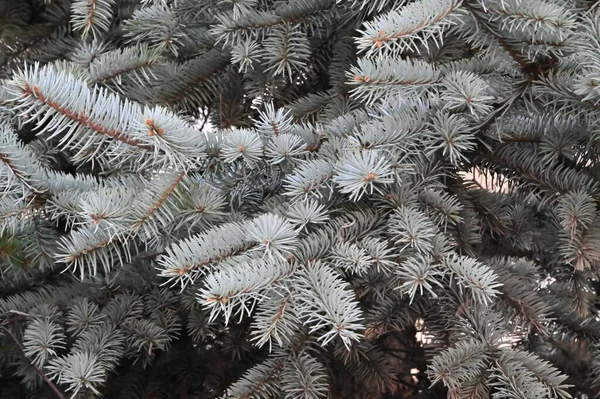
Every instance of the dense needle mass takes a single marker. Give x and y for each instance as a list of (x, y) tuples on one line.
[(299, 199)]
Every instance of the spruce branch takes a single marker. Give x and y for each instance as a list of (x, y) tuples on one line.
[(21, 162), (478, 278), (400, 30), (152, 213), (360, 173), (231, 29), (113, 66), (390, 77), (542, 16), (418, 274), (47, 380), (459, 364), (189, 84), (157, 24), (274, 235), (303, 377), (260, 380), (96, 124), (275, 318), (526, 374), (409, 227), (325, 303), (236, 290), (79, 371), (92, 16), (89, 247), (287, 51), (184, 260), (273, 121)]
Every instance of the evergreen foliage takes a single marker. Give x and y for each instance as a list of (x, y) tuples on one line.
[(299, 199)]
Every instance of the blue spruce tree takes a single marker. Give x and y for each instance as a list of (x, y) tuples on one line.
[(299, 199)]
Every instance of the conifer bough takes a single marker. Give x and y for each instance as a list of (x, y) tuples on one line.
[(299, 199)]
